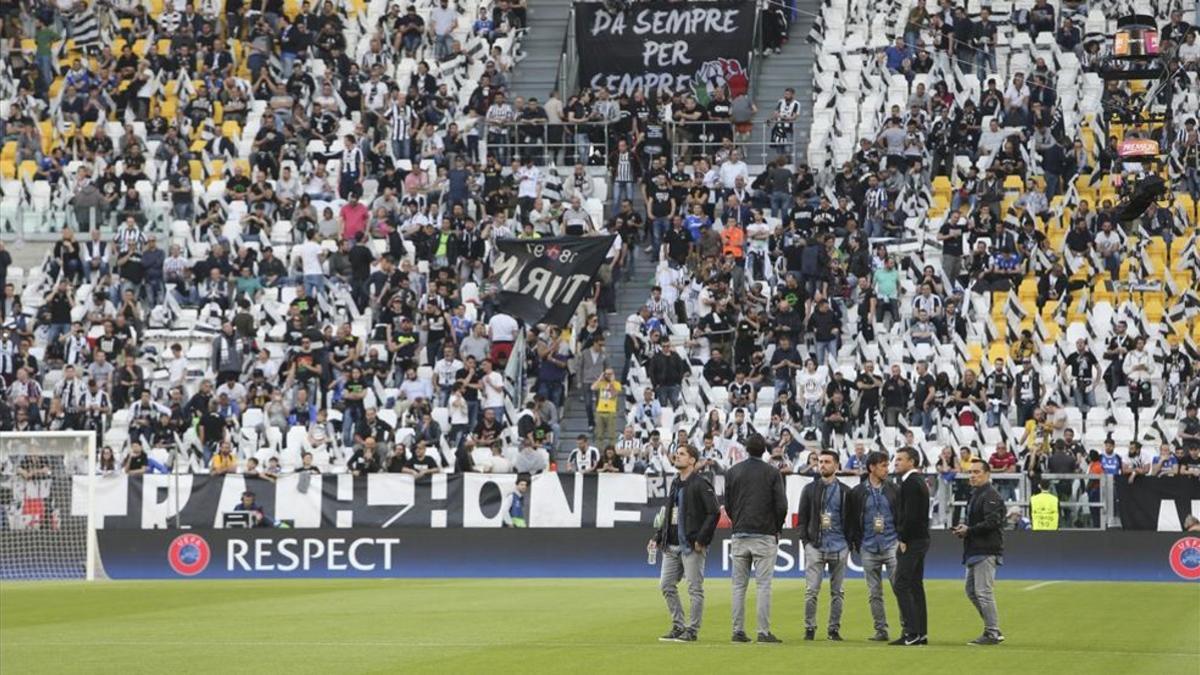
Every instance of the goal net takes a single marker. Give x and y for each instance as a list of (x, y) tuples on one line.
[(47, 488)]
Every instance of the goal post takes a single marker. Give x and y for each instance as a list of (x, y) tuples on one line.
[(47, 505)]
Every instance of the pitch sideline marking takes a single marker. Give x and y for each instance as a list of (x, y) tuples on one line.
[(1041, 585), (540, 645)]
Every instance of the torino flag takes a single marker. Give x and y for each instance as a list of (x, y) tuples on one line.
[(543, 280)]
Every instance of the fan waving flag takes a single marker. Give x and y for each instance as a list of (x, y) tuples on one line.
[(85, 27), (543, 280)]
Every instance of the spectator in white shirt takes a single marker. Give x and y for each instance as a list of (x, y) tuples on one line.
[(442, 23), (731, 169)]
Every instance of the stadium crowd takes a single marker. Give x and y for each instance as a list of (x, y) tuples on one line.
[(284, 215)]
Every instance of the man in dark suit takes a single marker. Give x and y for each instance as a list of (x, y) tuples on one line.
[(983, 549), (757, 506), (822, 528), (689, 521), (912, 528)]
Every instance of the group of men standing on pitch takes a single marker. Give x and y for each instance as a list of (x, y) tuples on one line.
[(886, 523)]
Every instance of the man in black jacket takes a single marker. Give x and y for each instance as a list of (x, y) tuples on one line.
[(689, 521), (757, 505), (822, 528), (983, 549), (912, 529), (871, 532)]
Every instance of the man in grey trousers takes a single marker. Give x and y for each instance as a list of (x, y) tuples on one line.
[(983, 549), (871, 530), (688, 524), (823, 531), (757, 506)]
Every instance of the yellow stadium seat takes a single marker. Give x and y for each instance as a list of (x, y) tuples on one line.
[(974, 351), (168, 108), (198, 145), (26, 169), (1013, 183), (9, 151), (231, 130), (56, 86), (291, 8), (28, 45), (8, 169), (156, 8), (163, 47), (218, 169), (1154, 310), (195, 169), (139, 47), (998, 350), (218, 113), (1028, 288)]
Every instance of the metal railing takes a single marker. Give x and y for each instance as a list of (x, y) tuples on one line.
[(1086, 501), (568, 64)]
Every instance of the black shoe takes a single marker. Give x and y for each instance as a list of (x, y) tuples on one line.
[(879, 636), (676, 635), (739, 637), (810, 633), (903, 641), (921, 640), (986, 639), (688, 636), (769, 638), (999, 636), (834, 636)]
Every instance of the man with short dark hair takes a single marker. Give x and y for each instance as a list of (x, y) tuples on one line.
[(983, 549), (912, 529), (756, 502), (689, 521), (822, 527), (871, 531)]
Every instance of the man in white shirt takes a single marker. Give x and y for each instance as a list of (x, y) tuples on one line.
[(1138, 364), (502, 331), (310, 255), (493, 390), (443, 20), (1108, 245), (529, 185), (445, 372), (1016, 99), (733, 167)]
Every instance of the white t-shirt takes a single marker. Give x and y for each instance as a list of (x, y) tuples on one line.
[(529, 177), (493, 390), (310, 258), (503, 328), (812, 385)]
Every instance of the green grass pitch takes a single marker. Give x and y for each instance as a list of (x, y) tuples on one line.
[(567, 626)]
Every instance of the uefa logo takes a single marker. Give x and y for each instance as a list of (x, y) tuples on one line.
[(1185, 558), (188, 554)]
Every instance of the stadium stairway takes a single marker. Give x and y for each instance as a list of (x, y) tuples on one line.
[(792, 67), (537, 73), (630, 295)]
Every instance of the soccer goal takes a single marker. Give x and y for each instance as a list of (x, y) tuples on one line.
[(47, 493)]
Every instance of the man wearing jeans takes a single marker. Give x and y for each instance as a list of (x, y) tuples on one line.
[(757, 505), (823, 530), (983, 549), (871, 530), (688, 523)]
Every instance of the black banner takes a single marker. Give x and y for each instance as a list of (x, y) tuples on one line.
[(1156, 503), (543, 280), (666, 46)]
